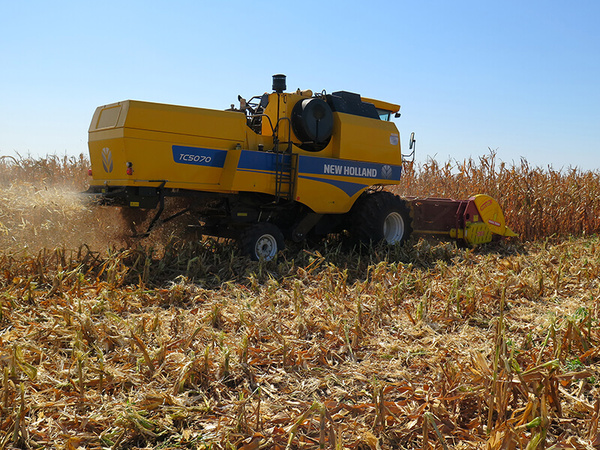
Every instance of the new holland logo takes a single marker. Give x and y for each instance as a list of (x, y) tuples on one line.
[(386, 172), (107, 161)]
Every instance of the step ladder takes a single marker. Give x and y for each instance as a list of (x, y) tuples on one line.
[(286, 164)]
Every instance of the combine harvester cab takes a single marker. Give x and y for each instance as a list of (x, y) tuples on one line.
[(282, 165)]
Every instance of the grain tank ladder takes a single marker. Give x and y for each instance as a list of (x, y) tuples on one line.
[(286, 164)]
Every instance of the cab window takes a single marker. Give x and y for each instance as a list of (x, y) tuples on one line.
[(384, 115)]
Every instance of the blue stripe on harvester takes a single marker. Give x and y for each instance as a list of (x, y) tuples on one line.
[(365, 173), (349, 188), (346, 168), (253, 161), (266, 162), (199, 156)]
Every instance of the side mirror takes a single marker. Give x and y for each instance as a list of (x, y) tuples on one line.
[(264, 100), (412, 144)]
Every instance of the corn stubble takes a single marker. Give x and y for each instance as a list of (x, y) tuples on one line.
[(171, 344)]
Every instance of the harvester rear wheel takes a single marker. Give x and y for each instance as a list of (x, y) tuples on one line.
[(380, 217), (262, 241)]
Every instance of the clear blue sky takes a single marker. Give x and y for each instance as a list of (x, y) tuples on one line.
[(521, 77)]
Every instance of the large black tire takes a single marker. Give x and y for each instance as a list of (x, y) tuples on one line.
[(261, 241), (380, 217)]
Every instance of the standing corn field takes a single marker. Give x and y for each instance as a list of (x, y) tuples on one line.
[(537, 202)]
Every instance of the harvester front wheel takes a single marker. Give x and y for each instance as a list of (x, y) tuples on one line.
[(380, 217), (262, 241)]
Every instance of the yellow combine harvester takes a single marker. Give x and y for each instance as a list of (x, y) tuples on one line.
[(282, 164)]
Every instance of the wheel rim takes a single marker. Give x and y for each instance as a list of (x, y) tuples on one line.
[(266, 247), (393, 228)]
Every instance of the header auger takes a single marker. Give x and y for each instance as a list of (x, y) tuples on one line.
[(281, 166)]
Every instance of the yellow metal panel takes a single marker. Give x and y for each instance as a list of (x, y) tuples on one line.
[(108, 117), (150, 160), (491, 213), (324, 198), (110, 112), (282, 104), (132, 114), (364, 139), (107, 158), (230, 169), (184, 146), (226, 125)]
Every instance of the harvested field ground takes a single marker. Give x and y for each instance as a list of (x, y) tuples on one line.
[(171, 344)]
